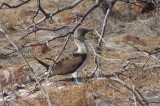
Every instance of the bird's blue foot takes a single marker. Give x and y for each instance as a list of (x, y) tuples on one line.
[(78, 80)]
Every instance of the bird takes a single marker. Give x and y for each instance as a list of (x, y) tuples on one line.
[(75, 62)]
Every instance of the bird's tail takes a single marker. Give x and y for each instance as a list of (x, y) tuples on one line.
[(43, 63)]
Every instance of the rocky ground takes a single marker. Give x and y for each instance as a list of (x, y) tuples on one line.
[(127, 73)]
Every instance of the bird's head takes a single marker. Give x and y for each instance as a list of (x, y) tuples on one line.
[(80, 33)]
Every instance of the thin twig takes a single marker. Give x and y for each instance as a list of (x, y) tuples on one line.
[(135, 100), (146, 53), (145, 63), (111, 4), (1, 88), (45, 29), (56, 12), (97, 65), (145, 101), (105, 41), (16, 6)]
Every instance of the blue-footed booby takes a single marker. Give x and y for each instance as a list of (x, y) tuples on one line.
[(77, 61)]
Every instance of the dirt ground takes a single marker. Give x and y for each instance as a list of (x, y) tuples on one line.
[(128, 61)]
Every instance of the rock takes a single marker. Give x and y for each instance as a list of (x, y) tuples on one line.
[(15, 76)]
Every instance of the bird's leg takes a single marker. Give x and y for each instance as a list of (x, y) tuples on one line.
[(77, 80)]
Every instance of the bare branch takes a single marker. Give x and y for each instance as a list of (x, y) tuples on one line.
[(45, 29), (107, 45), (110, 3), (146, 53), (16, 6), (56, 12), (145, 101), (74, 28), (97, 65), (41, 9)]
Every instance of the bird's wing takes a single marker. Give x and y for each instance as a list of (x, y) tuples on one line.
[(69, 65)]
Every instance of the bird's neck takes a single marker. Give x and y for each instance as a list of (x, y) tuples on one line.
[(82, 48)]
